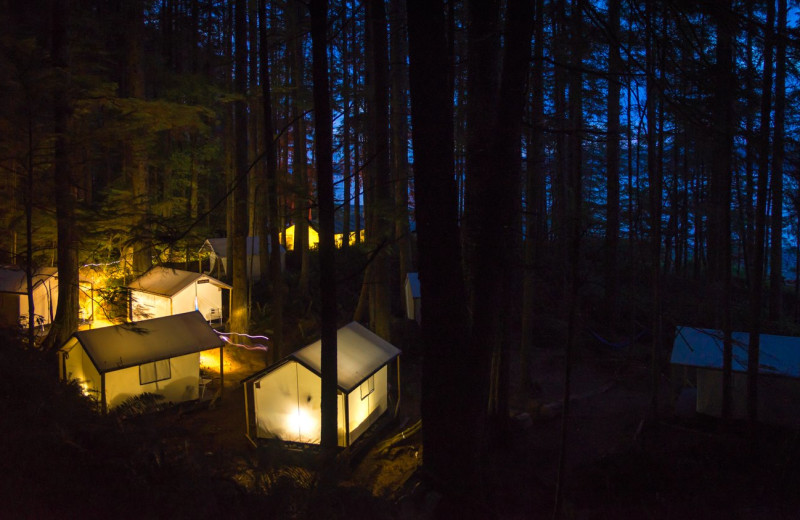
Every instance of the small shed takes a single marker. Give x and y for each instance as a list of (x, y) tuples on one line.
[(217, 248), (413, 297), (283, 401), (163, 291), (14, 309), (160, 356), (700, 351)]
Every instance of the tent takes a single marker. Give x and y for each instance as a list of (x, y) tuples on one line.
[(779, 372), (14, 296), (163, 291), (14, 309), (160, 356), (283, 401), (218, 256), (338, 230), (413, 297)]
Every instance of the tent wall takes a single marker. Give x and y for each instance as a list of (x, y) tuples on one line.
[(339, 237), (9, 309), (182, 384), (45, 300), (313, 237), (145, 306), (364, 411), (287, 405), (78, 366)]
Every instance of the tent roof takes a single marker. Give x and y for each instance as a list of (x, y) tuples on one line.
[(219, 246), (413, 281), (14, 280), (127, 345), (360, 353), (702, 348), (169, 282)]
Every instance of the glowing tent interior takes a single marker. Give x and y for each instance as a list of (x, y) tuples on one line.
[(283, 401), (162, 291), (159, 356)]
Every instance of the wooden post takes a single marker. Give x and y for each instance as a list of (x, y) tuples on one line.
[(221, 372), (103, 405)]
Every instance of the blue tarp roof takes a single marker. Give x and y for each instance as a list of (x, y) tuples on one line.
[(702, 348)]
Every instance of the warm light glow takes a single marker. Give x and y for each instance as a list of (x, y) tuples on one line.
[(302, 423)]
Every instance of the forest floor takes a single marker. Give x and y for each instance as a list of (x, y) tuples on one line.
[(619, 463)]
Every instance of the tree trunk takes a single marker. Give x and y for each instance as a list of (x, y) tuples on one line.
[(655, 192), (399, 117), (66, 319), (535, 196), (271, 183), (324, 154), (448, 372), (575, 202), (299, 153), (723, 132), (381, 203), (612, 163), (239, 298), (757, 278), (135, 148), (776, 185)]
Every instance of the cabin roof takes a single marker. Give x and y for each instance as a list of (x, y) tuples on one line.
[(14, 280), (131, 344), (360, 353), (702, 348), (169, 282)]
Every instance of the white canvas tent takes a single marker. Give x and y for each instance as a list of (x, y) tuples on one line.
[(217, 248), (413, 297), (160, 356), (284, 400), (162, 291), (14, 296), (779, 372)]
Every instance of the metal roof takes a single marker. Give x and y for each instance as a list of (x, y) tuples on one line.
[(169, 282), (131, 344), (360, 353), (702, 348), (14, 280)]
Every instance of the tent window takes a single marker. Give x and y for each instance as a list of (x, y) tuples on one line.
[(155, 371), (367, 387)]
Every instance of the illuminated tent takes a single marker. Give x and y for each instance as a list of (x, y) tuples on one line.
[(283, 401), (14, 295), (779, 372), (160, 356), (218, 256), (163, 291), (413, 297), (338, 230)]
